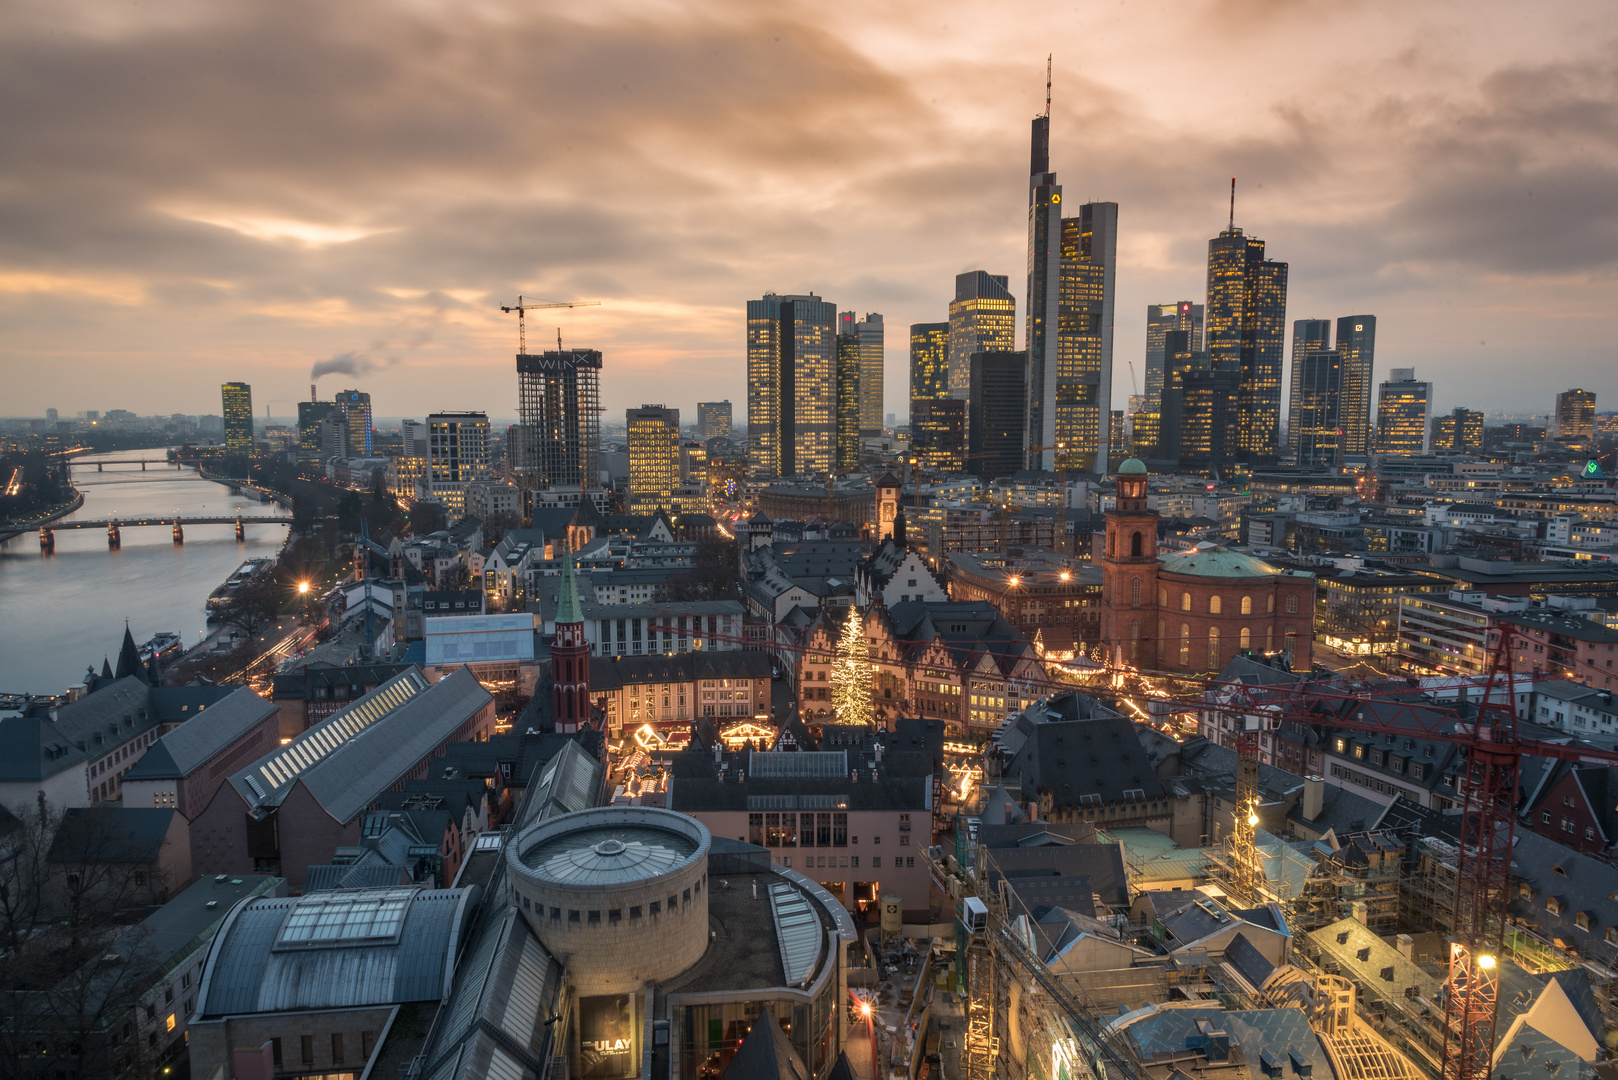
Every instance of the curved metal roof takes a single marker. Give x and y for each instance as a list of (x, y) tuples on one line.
[(609, 855), (1132, 467), (1215, 561), (797, 932)]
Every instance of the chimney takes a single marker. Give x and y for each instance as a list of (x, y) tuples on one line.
[(1033, 810), (873, 776), (1314, 795), (312, 392), (741, 775), (1406, 946), (854, 776), (1360, 911)]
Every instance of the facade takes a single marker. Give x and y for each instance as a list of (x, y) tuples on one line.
[(1196, 609), (1308, 335), (558, 400), (654, 458), (570, 658), (310, 414), (1576, 414), (996, 412), (237, 401), (1356, 345), (791, 385), (1076, 419), (457, 455), (938, 433), (1317, 435), (671, 692), (183, 769), (1246, 332), (1461, 430), (1044, 292), (868, 335), (895, 573), (1203, 421), (654, 629), (713, 419), (1160, 319), (356, 409), (850, 366), (1402, 411), (982, 318), (1045, 596), (929, 360)]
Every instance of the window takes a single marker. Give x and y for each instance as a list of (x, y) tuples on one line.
[(367, 1044), (1247, 605), (1553, 905), (1134, 592), (308, 1048), (876, 862), (1214, 605), (1213, 648), (337, 1047), (1134, 545), (595, 916), (168, 1022), (1162, 598), (1185, 643), (275, 1049), (1247, 638), (1589, 832), (1567, 825), (1292, 604), (1185, 601)]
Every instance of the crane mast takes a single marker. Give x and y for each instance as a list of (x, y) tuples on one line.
[(522, 308)]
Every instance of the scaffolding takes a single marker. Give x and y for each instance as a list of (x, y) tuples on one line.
[(1427, 900), (559, 406)]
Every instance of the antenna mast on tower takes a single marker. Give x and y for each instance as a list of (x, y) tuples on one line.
[(1233, 204), (1048, 85)]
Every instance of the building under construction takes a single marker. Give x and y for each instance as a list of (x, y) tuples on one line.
[(559, 405)]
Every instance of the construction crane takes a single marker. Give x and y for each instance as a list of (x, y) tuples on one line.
[(522, 307), (1059, 540)]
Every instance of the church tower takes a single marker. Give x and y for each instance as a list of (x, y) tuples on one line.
[(887, 505), (570, 658), (1129, 573)]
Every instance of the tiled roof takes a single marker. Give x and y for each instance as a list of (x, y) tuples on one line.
[(196, 741)]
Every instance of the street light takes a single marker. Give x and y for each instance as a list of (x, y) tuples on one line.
[(1485, 962), (303, 587)]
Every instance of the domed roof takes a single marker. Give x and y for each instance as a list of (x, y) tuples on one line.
[(1132, 467), (1213, 561)]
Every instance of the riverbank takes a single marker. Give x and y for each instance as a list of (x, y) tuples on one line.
[(17, 528), (270, 494)]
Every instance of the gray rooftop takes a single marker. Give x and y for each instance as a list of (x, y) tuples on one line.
[(194, 742)]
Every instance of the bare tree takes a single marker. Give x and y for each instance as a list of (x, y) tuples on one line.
[(251, 608)]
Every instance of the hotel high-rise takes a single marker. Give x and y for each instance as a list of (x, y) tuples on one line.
[(457, 455), (1246, 336), (236, 398), (982, 318), (791, 385)]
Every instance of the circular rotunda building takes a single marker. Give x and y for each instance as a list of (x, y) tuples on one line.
[(620, 891)]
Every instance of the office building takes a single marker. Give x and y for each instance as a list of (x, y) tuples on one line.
[(654, 458), (237, 398), (791, 385), (1075, 417), (1167, 426), (996, 413), (869, 345), (1044, 289), (982, 318), (1401, 413), (1317, 383), (938, 433), (1356, 345), (1308, 335), (356, 410), (713, 419), (413, 438), (929, 360), (558, 402), (1576, 414), (310, 414), (457, 455), (1245, 333), (1160, 319), (850, 372), (1209, 402), (1460, 430)]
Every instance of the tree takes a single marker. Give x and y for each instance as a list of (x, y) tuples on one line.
[(427, 517), (251, 608), (851, 674)]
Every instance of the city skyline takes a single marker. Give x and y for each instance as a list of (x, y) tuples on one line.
[(369, 250)]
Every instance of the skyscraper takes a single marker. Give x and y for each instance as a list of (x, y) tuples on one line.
[(1402, 412), (237, 399), (1076, 418), (1160, 319), (1575, 414), (1207, 418), (558, 395), (1462, 430), (1316, 432), (1308, 335), (1246, 333), (1356, 344), (938, 433), (1044, 289), (791, 391), (713, 419), (654, 458), (356, 407), (1164, 431), (872, 366), (982, 318), (849, 391), (996, 420), (929, 360), (457, 455), (310, 414)]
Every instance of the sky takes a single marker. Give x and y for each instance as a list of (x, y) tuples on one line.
[(193, 192)]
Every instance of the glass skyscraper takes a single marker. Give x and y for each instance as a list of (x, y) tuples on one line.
[(938, 433), (1576, 414), (557, 397), (872, 365), (850, 394), (237, 402), (1044, 291), (996, 424), (356, 408), (1402, 412), (1356, 344), (457, 455), (791, 385), (653, 433), (929, 360), (1316, 431), (1160, 319), (982, 318), (1246, 335), (1308, 335), (713, 419), (1077, 421)]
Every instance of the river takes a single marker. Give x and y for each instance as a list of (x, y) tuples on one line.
[(63, 612)]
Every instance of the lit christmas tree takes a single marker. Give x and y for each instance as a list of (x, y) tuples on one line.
[(851, 674)]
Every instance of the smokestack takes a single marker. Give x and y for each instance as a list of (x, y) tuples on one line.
[(312, 392)]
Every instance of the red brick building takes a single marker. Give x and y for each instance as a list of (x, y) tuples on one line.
[(1193, 610)]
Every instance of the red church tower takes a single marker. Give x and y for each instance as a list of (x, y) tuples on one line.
[(570, 658), (1129, 573)]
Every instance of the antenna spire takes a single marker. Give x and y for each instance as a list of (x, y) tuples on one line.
[(1233, 204), (1048, 85)]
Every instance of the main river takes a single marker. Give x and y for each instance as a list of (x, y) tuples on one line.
[(62, 612)]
